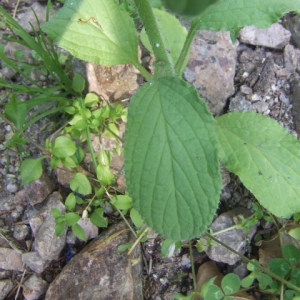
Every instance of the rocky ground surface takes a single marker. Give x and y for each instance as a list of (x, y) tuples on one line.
[(259, 73)]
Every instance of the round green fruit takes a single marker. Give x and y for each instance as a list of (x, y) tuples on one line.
[(187, 7)]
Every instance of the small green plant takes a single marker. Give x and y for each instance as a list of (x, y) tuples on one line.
[(88, 192), (42, 101), (286, 268)]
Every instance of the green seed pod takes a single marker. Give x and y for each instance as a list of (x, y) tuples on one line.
[(187, 7)]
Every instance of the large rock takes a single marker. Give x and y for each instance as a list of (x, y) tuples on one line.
[(100, 272), (211, 68), (275, 37)]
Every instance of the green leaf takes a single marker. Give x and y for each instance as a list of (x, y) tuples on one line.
[(171, 164), (70, 202), (169, 247), (80, 184), (295, 233), (248, 281), (231, 284), (189, 7), (63, 147), (232, 15), (91, 100), (98, 219), (279, 266), (16, 111), (31, 170), (265, 157), (136, 218), (71, 218), (79, 232), (56, 213), (104, 175), (124, 247), (173, 34), (264, 280), (59, 229), (78, 83), (122, 202), (291, 254), (213, 293), (98, 31)]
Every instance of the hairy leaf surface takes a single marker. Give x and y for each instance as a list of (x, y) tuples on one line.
[(171, 164), (232, 15), (98, 31), (265, 157)]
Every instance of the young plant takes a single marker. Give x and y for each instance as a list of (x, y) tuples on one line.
[(42, 102), (173, 144)]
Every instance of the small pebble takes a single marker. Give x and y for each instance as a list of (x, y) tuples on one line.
[(20, 232), (12, 188)]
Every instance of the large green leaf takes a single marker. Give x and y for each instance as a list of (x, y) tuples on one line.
[(95, 30), (232, 15), (171, 165), (265, 157), (173, 34)]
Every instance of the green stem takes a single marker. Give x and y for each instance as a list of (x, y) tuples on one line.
[(180, 64), (88, 137), (148, 19), (143, 71), (256, 264), (193, 266)]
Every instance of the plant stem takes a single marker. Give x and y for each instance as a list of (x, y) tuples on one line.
[(256, 264), (88, 137), (143, 71), (162, 56), (193, 266), (180, 64)]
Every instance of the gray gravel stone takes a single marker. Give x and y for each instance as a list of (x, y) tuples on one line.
[(10, 259), (28, 17), (34, 288), (35, 262), (20, 232), (5, 288), (275, 37), (234, 238), (47, 243)]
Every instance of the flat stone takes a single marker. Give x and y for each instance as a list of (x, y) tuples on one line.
[(36, 192), (100, 272), (275, 37), (47, 244), (34, 288), (10, 259), (35, 262), (234, 238), (5, 288), (211, 68), (114, 83)]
